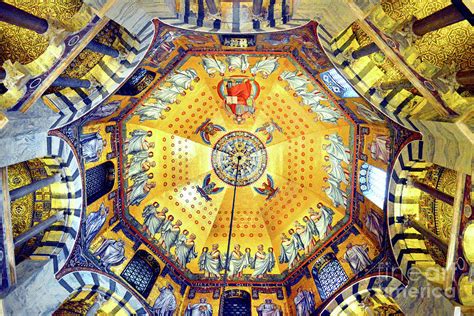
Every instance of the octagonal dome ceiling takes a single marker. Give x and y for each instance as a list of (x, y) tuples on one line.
[(262, 113)]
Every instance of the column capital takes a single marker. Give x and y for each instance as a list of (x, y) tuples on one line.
[(56, 33), (17, 75)]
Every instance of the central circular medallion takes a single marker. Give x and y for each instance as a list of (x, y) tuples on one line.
[(239, 146)]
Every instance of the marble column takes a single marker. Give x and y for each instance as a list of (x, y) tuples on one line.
[(257, 12), (38, 228), (446, 198), (32, 187), (71, 82), (427, 234), (390, 85), (102, 49), (365, 51), (437, 20), (18, 17), (214, 13), (211, 5), (257, 7)]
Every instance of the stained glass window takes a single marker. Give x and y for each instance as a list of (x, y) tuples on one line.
[(328, 275), (236, 303), (141, 272), (338, 84), (373, 183), (99, 181)]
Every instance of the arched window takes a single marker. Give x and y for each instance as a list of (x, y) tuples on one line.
[(99, 181), (138, 82), (338, 84), (373, 182), (141, 272), (328, 275), (236, 302)]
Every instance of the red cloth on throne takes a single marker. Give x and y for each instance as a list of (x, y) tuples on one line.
[(242, 91)]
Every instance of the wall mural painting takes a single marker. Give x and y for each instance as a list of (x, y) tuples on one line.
[(177, 141), (234, 106)]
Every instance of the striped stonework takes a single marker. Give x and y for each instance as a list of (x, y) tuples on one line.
[(363, 74), (388, 285), (120, 301), (58, 241), (407, 243), (446, 143), (109, 73)]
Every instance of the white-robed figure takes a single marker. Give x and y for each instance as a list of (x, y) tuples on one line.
[(183, 78), (296, 81), (152, 110), (185, 250), (212, 263), (263, 262), (165, 304), (304, 302), (212, 66), (238, 62), (152, 222), (140, 189), (203, 308), (170, 235), (104, 110), (373, 223), (139, 163), (289, 251), (357, 256), (92, 145), (169, 95), (268, 308), (138, 142), (266, 66), (238, 261), (322, 217), (306, 235), (380, 148), (310, 98), (136, 170), (325, 113), (311, 224), (367, 113), (336, 148), (333, 191), (335, 169), (111, 253), (94, 223)]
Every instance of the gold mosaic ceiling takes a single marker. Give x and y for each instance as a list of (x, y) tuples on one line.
[(294, 172)]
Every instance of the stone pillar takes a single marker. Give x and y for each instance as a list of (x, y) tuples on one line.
[(102, 49), (365, 51), (390, 85), (446, 198), (257, 7), (38, 229), (71, 83), (211, 5), (257, 13), (427, 234), (32, 187), (442, 18), (18, 17)]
